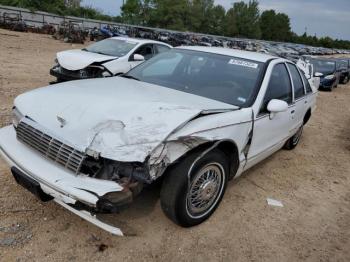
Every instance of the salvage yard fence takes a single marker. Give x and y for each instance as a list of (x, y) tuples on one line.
[(39, 18)]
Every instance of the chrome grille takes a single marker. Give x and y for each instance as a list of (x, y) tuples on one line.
[(50, 147)]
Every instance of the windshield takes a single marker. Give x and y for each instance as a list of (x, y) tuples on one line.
[(343, 64), (111, 47), (324, 66), (224, 78)]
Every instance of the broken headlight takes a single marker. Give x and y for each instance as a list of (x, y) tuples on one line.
[(16, 116), (106, 74)]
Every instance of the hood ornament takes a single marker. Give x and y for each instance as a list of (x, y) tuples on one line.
[(62, 121)]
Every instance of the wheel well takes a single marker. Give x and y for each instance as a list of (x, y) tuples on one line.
[(229, 148), (307, 116)]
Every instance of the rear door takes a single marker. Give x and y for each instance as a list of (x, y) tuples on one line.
[(300, 99), (146, 50)]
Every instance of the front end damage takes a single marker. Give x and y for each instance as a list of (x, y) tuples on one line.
[(95, 70), (101, 186), (110, 175)]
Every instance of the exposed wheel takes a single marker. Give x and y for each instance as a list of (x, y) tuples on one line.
[(346, 80), (189, 204), (294, 140)]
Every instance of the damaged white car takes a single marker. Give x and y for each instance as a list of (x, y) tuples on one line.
[(194, 117), (106, 58)]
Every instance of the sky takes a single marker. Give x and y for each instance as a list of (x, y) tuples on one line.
[(320, 17)]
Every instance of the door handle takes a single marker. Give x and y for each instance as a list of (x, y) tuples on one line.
[(292, 112)]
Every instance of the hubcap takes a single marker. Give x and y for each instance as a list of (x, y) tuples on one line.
[(204, 189)]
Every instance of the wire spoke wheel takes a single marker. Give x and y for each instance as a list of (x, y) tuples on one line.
[(205, 189)]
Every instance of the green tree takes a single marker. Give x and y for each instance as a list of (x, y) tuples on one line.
[(217, 20), (170, 14), (131, 11), (247, 19), (275, 26), (230, 23)]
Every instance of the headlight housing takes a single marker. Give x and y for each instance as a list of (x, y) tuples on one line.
[(106, 74), (329, 77), (16, 117)]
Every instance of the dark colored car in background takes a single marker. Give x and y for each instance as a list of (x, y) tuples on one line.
[(329, 73), (343, 65)]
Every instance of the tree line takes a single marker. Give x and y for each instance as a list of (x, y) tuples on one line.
[(201, 16)]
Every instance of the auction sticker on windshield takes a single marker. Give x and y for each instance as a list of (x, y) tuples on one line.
[(243, 63)]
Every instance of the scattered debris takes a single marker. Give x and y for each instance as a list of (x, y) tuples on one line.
[(274, 202), (8, 241), (102, 247)]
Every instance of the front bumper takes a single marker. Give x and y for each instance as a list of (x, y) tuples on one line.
[(64, 76), (327, 84), (67, 189)]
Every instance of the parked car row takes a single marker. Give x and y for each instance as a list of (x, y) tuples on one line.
[(331, 71), (73, 31)]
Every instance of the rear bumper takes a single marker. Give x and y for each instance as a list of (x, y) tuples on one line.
[(67, 189)]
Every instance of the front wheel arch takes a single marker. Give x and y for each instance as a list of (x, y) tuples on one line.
[(228, 147)]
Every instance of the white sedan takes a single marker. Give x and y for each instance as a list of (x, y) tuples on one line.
[(194, 117), (109, 57)]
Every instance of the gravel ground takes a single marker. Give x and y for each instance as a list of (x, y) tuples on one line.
[(312, 182)]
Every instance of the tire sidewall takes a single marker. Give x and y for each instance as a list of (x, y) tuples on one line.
[(294, 144), (213, 156)]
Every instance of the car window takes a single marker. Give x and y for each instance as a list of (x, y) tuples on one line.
[(112, 47), (162, 48), (145, 50), (307, 84), (279, 86), (297, 81), (163, 67), (228, 79), (325, 67)]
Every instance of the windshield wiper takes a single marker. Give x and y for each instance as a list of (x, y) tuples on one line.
[(130, 77)]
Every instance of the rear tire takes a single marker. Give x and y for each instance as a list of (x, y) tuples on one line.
[(190, 204), (294, 140)]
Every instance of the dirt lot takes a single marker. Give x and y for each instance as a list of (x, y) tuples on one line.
[(313, 182)]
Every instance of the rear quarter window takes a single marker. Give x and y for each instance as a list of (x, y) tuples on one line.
[(297, 81)]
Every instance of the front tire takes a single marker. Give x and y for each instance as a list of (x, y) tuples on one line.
[(189, 204)]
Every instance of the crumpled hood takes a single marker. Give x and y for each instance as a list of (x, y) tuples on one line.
[(78, 59), (122, 119)]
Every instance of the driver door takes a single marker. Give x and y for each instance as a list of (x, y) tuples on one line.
[(271, 130), (146, 50)]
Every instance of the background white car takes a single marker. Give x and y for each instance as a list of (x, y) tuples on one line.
[(109, 57), (194, 116)]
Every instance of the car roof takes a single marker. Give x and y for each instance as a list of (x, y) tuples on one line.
[(326, 59), (140, 40), (231, 52)]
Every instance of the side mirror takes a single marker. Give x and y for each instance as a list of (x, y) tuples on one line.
[(137, 57), (317, 74), (276, 106)]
